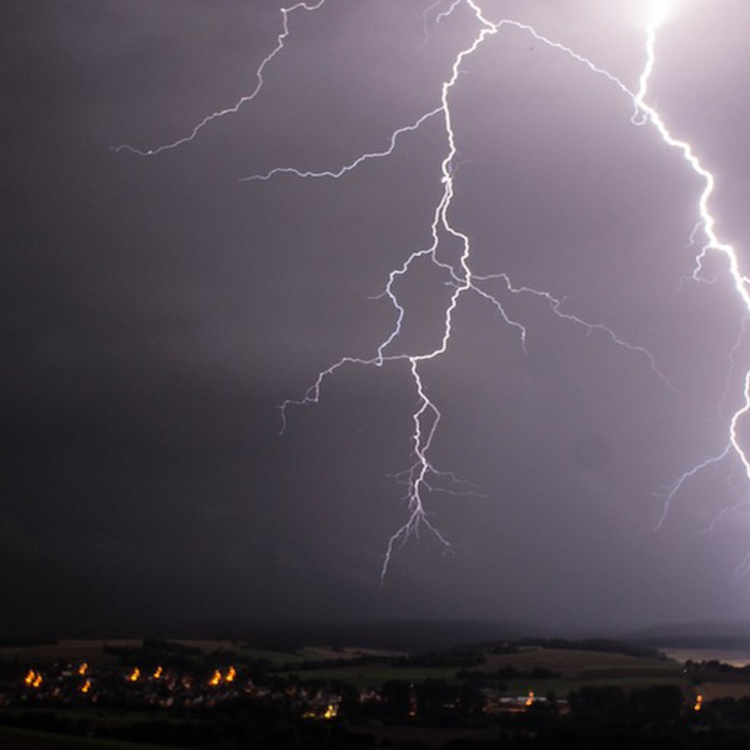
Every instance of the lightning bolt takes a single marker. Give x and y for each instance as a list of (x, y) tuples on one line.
[(438, 18), (233, 109), (712, 243), (423, 477), (728, 509), (426, 418)]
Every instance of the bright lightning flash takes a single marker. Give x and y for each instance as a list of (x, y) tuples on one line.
[(422, 477), (712, 243)]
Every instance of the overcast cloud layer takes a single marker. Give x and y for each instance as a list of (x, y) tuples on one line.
[(156, 312)]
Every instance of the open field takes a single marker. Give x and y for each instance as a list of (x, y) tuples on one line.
[(319, 652), (714, 690), (71, 650), (277, 658), (578, 669), (93, 651), (582, 664), (312, 653), (374, 675), (563, 687)]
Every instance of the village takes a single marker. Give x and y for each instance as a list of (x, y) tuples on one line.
[(64, 684), (229, 696)]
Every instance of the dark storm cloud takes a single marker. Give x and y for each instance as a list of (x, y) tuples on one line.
[(155, 312)]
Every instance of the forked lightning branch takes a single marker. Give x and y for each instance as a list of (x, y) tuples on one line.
[(423, 477)]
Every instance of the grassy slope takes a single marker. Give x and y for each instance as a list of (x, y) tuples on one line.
[(577, 669)]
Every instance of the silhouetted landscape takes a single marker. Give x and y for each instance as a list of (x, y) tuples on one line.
[(469, 685)]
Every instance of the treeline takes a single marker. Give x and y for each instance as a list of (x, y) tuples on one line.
[(356, 661), (451, 658), (455, 657), (510, 672), (602, 645), (189, 659), (714, 666), (26, 642)]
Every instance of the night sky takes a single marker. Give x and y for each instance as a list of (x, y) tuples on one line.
[(156, 311)]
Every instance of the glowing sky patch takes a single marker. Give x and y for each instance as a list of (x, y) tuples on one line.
[(423, 477)]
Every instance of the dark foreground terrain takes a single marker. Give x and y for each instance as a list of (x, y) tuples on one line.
[(230, 694)]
